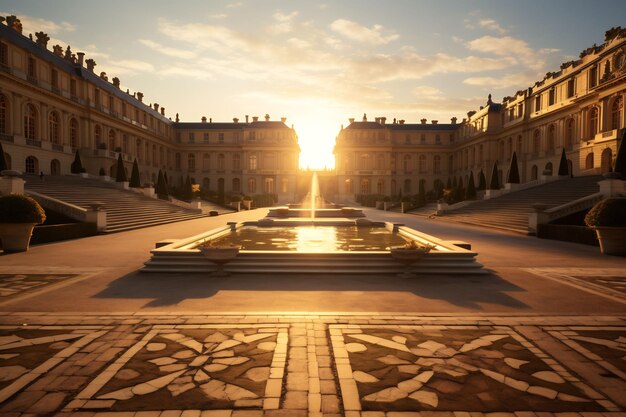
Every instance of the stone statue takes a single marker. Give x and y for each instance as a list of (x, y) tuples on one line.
[(177, 119), (489, 99), (103, 75), (57, 50), (42, 39), (364, 117), (14, 23), (116, 82), (68, 53), (91, 64)]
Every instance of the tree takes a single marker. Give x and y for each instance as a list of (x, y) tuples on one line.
[(513, 176), (120, 175), (77, 165), (3, 161), (482, 181), (135, 182), (563, 168), (161, 187), (620, 159), (495, 182), (470, 193)]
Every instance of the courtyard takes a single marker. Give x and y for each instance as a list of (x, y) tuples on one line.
[(84, 333)]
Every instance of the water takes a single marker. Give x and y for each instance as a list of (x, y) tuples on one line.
[(319, 239), (315, 192)]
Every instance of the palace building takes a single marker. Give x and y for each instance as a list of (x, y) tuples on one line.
[(52, 103), (579, 108)]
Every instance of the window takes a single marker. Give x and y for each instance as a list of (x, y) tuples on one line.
[(252, 162), (569, 133), (380, 187), (348, 186), (437, 164), (570, 87), (97, 135), (537, 102), (236, 185), (220, 138), (511, 113), (73, 133), (111, 104), (191, 162), (73, 88), (593, 76), (423, 138), (366, 161), (97, 97), (205, 138), (4, 54), (221, 161), (593, 121), (422, 164), (236, 161), (30, 122), (284, 185), (32, 68), (32, 165), (407, 163), (252, 185), (616, 113), (54, 79), (206, 162), (551, 139), (3, 114), (520, 110), (192, 137), (252, 136), (269, 185), (551, 97), (365, 186), (112, 139)]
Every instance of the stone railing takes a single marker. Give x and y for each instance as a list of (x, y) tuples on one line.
[(94, 214), (194, 205), (541, 215)]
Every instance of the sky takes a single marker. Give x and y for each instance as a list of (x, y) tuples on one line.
[(319, 63)]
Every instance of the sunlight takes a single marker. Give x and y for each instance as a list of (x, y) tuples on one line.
[(316, 135)]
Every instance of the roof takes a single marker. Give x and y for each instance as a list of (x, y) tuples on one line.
[(424, 126), (229, 125), (365, 125)]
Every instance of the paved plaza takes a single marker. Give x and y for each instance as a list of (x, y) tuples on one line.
[(83, 333)]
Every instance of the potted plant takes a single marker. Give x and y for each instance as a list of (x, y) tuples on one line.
[(247, 202), (608, 220), (18, 216), (219, 255), (408, 254)]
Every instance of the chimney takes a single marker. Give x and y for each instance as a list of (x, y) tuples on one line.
[(235, 120), (364, 117), (267, 117), (140, 96), (351, 120), (246, 118), (453, 120), (255, 119), (163, 111), (81, 57), (423, 121), (383, 120), (434, 121), (377, 119), (283, 119), (91, 64), (156, 107), (203, 119), (210, 120), (401, 121)]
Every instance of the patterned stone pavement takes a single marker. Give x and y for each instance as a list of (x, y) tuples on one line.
[(330, 365), (18, 284)]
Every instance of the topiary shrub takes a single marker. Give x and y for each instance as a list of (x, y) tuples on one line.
[(18, 208), (135, 181), (120, 175), (77, 165), (610, 212)]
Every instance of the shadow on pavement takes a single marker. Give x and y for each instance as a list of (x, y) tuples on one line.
[(259, 291)]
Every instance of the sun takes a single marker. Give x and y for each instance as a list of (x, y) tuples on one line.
[(316, 136)]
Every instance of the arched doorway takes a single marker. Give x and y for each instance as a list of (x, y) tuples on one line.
[(589, 161), (606, 160), (55, 167), (547, 170), (31, 165)]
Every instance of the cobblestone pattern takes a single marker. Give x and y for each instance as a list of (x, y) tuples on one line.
[(140, 365)]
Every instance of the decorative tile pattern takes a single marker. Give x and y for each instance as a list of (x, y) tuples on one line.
[(451, 368), (26, 354), (193, 367), (17, 284)]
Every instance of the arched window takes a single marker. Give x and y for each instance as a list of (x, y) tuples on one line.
[(548, 169), (437, 164), (252, 163), (284, 185), (112, 144), (422, 164), (236, 185), (191, 162), (407, 186), (349, 187), (407, 163), (269, 185), (365, 186), (236, 161), (30, 122), (606, 161), (589, 161), (55, 167), (550, 146), (206, 161), (53, 128), (221, 161), (31, 165), (593, 122), (536, 142), (569, 133), (616, 113), (97, 135), (380, 187), (3, 114), (73, 133), (252, 185)]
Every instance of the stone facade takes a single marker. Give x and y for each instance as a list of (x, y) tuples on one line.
[(52, 105), (579, 108)]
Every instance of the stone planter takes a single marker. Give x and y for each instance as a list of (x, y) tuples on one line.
[(247, 204), (16, 236), (407, 257), (220, 257), (612, 240)]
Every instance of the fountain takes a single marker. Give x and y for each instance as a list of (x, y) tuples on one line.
[(319, 239)]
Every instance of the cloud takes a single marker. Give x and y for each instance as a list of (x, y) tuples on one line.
[(234, 5), (427, 91), (492, 25), (511, 81), (284, 23), (360, 33), (126, 67), (165, 50), (511, 47), (218, 16)]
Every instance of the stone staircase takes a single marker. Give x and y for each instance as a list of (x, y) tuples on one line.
[(510, 211), (125, 209)]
